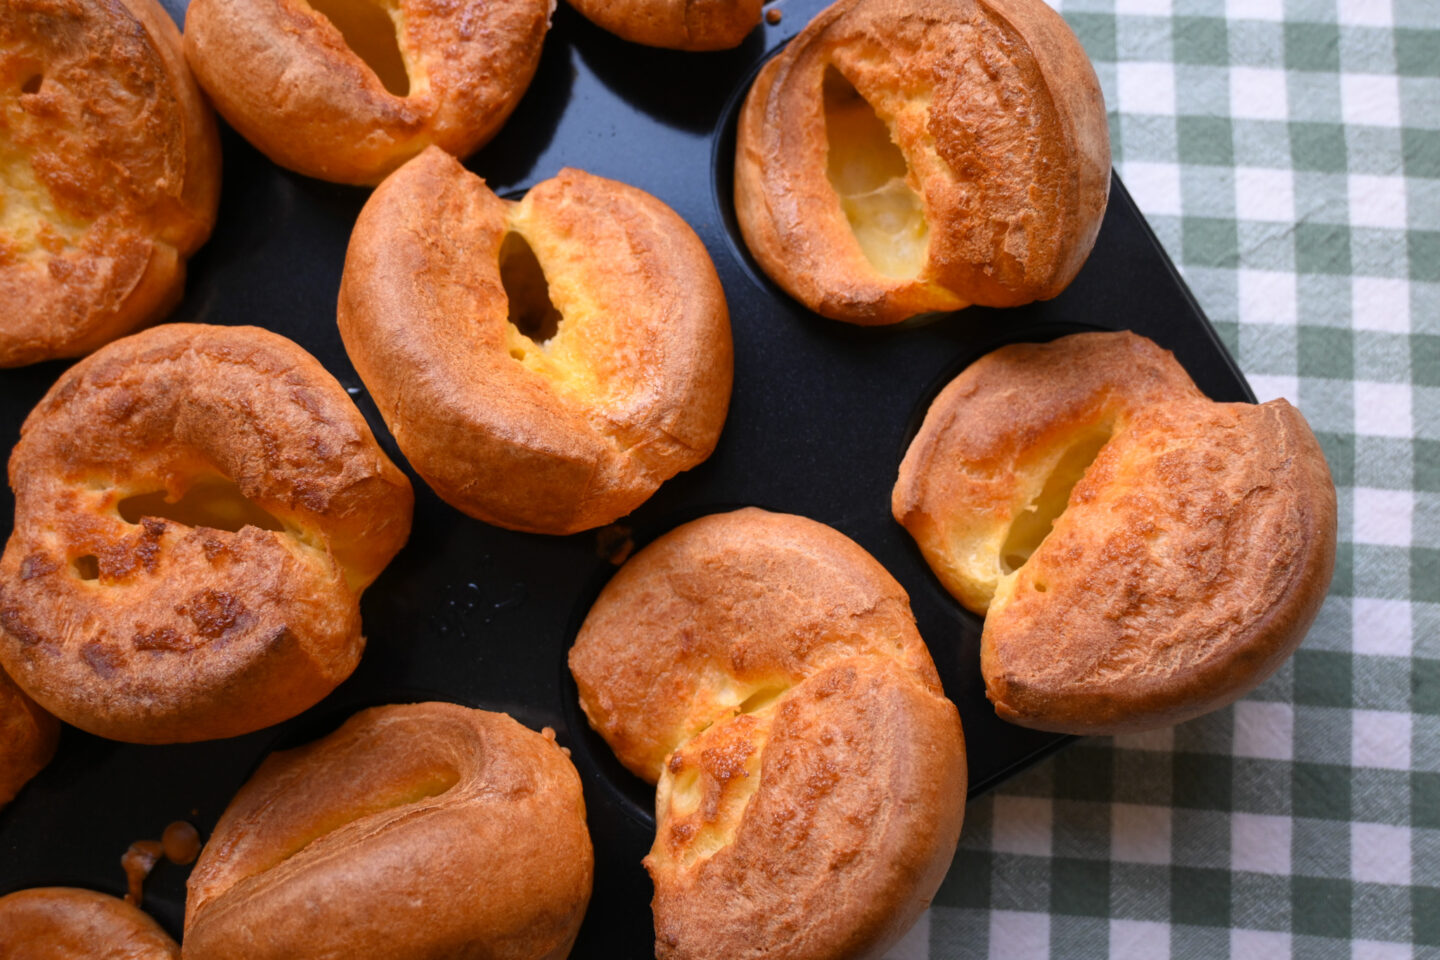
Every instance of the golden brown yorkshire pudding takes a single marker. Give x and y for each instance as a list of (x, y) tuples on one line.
[(676, 24), (65, 923), (1145, 555), (348, 90), (416, 831), (27, 739), (545, 365), (906, 156), (109, 173), (768, 673), (197, 510)]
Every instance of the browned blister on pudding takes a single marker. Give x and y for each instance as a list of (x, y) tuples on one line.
[(544, 364), (1142, 554), (64, 923), (767, 672), (198, 510), (422, 830), (348, 90), (675, 24), (109, 173), (907, 156)]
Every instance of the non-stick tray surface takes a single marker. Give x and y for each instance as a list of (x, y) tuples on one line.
[(820, 418)]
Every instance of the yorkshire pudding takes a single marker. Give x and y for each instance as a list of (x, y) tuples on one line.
[(425, 830), (109, 173), (348, 90), (546, 410), (197, 510), (65, 923), (906, 156), (1145, 555), (676, 24), (27, 739), (768, 673)]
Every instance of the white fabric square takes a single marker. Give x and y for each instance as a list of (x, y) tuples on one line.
[(915, 945), (1156, 8), (1263, 194), (1155, 187), (1380, 303), (1382, 409), (1370, 99), (1383, 516), (1271, 386), (1377, 201), (1255, 10), (1260, 843), (1023, 825), (1380, 853), (1140, 834), (1139, 940), (1019, 935), (1259, 943), (1258, 93), (1146, 87), (1381, 627), (1162, 740), (1380, 738), (1366, 13), (1265, 731), (1267, 296), (1378, 950)]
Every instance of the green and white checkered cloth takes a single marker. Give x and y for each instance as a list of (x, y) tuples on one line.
[(1287, 153)]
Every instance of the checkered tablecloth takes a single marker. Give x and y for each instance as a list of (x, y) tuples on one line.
[(1287, 153)]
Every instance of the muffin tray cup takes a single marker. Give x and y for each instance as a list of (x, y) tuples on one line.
[(821, 415)]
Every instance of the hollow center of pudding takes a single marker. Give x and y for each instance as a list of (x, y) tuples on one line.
[(868, 172), (531, 310), (1033, 524), (215, 503), (369, 30)]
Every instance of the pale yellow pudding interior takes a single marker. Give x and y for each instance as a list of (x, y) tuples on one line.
[(371, 29), (1033, 524), (215, 502), (869, 172)]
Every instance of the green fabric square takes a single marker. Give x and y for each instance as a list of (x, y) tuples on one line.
[(1210, 242), (1318, 146), (1143, 777), (1425, 307), (1418, 96), (1148, 137), (1380, 912), (1259, 901), (1340, 455), (1139, 891), (965, 933), (1425, 574), (1205, 140), (1321, 906), (1425, 359), (1425, 915), (1320, 848), (1256, 43), (968, 882), (1323, 678), (1424, 255), (1261, 143), (1080, 888), (1314, 98), (1081, 829), (1269, 348), (1425, 800), (1422, 203), (1020, 883), (1427, 465), (1383, 358), (1207, 191), (1097, 34), (1417, 53), (1383, 683), (1381, 796), (1200, 896), (1143, 38), (1271, 246), (1367, 50), (1084, 772), (1342, 582), (1421, 150), (1201, 40), (1320, 790), (1322, 734), (1378, 252), (1381, 571), (1416, 13), (1312, 46), (1079, 937), (1326, 352), (1229, 333), (1376, 150), (1201, 781), (1425, 686), (1322, 248), (1192, 838), (1201, 90)]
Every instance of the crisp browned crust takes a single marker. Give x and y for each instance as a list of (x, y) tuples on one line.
[(1190, 560), (1001, 122), (27, 739), (767, 671), (282, 75), (190, 633), (550, 438), (676, 24), (110, 164), (427, 830), (65, 923)]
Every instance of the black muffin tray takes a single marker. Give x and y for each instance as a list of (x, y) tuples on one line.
[(819, 420)]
